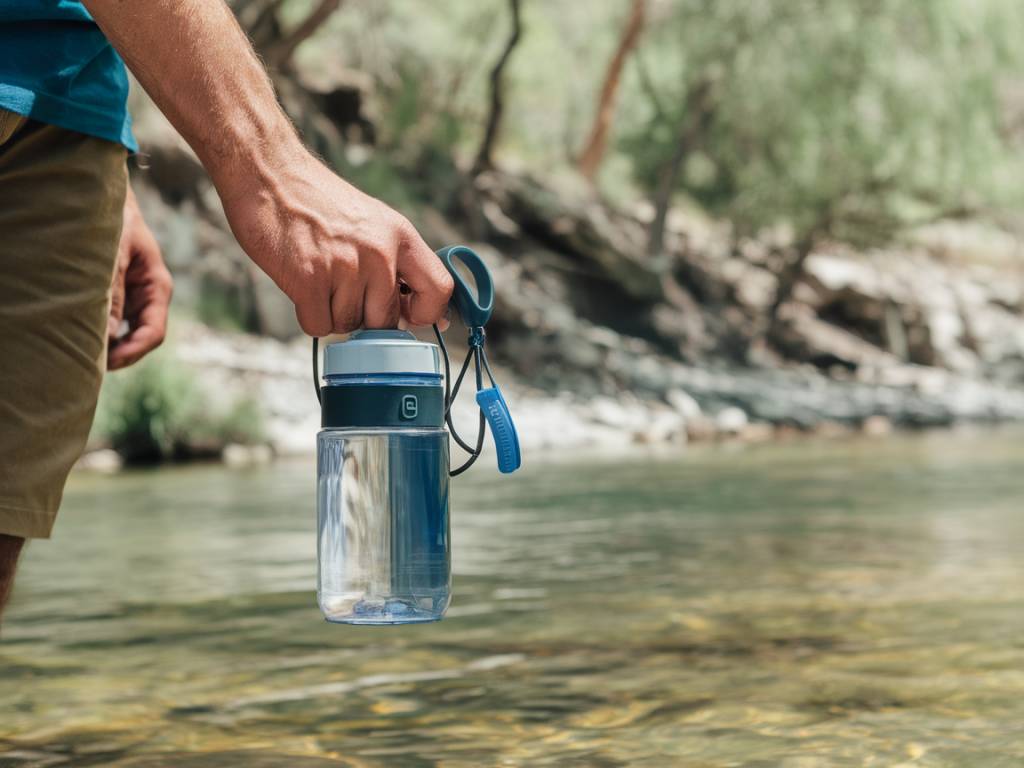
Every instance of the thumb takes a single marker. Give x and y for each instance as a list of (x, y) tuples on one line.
[(430, 285)]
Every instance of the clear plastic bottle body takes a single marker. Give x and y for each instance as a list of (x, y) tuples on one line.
[(383, 533)]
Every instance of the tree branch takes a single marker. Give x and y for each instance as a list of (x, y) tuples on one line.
[(597, 142), (279, 54), (484, 157), (697, 114), (259, 20)]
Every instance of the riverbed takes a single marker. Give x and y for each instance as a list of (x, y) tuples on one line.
[(814, 603)]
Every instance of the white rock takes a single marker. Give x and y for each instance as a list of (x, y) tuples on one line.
[(684, 404), (664, 427), (731, 421), (105, 461), (613, 413)]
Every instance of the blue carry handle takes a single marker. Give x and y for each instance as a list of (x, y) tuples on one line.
[(475, 310)]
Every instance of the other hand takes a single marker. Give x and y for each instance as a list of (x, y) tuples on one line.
[(141, 292), (345, 259)]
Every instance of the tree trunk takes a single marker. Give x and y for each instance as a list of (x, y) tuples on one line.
[(666, 187), (484, 156), (696, 118), (278, 55), (597, 141)]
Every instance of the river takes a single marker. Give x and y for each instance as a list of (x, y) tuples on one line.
[(832, 603)]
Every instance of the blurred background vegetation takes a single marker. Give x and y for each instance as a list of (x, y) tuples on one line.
[(651, 179), (846, 117)]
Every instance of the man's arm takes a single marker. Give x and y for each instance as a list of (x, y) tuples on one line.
[(338, 253)]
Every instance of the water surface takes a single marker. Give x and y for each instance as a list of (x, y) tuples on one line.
[(804, 604)]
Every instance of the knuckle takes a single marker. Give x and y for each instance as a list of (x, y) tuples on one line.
[(341, 270), (305, 277), (405, 229), (166, 281), (447, 286), (345, 259), (319, 268), (383, 264)]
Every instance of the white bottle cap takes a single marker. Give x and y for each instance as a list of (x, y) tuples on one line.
[(368, 352)]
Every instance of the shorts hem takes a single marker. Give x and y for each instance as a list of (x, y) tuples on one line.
[(26, 523)]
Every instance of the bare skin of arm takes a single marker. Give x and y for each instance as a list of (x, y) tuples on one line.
[(339, 254)]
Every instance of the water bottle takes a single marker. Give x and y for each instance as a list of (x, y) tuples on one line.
[(383, 539), (382, 467)]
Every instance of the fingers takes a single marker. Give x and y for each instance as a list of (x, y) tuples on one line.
[(356, 284), (314, 312), (381, 307), (147, 297), (148, 323), (429, 282), (365, 294), (347, 300), (138, 343)]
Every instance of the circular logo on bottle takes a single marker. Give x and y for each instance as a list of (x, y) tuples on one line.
[(410, 407)]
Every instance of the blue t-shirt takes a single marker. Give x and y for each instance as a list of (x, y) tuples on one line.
[(57, 67)]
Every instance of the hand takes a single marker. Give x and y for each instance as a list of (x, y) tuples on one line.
[(345, 259), (141, 292)]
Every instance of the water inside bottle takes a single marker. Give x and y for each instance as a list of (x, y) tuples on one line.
[(383, 526)]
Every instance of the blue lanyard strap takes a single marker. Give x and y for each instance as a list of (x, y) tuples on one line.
[(475, 310)]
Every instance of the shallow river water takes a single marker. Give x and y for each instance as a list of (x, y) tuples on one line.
[(803, 604)]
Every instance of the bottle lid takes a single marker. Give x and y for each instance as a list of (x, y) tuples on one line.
[(367, 352)]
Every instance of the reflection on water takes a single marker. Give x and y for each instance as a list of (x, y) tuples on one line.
[(804, 604)]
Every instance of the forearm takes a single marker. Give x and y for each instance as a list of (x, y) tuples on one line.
[(339, 254), (198, 66)]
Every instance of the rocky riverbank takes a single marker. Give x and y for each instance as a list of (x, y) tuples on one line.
[(713, 401), (600, 345), (699, 403)]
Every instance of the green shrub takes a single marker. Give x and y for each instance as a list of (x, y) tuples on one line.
[(158, 410)]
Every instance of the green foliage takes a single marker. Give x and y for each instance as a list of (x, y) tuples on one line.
[(223, 306), (157, 410), (848, 118), (242, 423), (429, 64)]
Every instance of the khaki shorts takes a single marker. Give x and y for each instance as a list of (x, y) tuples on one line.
[(61, 202)]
